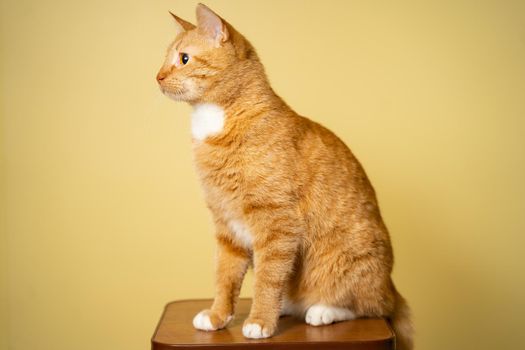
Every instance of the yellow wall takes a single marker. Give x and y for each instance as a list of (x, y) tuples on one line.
[(104, 217), (3, 242)]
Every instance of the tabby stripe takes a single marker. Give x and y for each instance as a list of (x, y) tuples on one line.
[(206, 63)]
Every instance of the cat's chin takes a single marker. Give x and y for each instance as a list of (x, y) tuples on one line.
[(176, 96)]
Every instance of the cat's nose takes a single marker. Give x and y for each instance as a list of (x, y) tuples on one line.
[(162, 75)]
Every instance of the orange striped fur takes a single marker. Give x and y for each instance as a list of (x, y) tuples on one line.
[(286, 194)]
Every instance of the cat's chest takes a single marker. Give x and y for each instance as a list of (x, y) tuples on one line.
[(207, 119), (221, 171), (220, 162)]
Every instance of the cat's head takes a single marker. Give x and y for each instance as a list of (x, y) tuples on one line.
[(201, 57)]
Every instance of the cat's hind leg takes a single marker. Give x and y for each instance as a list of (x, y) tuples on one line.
[(321, 314)]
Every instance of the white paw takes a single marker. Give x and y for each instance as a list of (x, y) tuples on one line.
[(202, 321), (254, 331), (320, 314)]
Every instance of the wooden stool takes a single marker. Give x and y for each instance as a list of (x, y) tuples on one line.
[(175, 332)]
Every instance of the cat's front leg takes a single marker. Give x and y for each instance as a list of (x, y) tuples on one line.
[(274, 256), (232, 263)]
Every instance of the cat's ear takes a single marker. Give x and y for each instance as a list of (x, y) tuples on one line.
[(211, 25), (181, 24)]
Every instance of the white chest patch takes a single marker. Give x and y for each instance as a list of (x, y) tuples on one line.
[(241, 234), (207, 119)]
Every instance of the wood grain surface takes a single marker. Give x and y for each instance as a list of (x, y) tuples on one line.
[(175, 331)]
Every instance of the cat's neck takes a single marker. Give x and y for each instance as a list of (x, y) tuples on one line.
[(243, 93), (234, 102), (213, 117)]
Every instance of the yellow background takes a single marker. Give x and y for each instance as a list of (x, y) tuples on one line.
[(102, 217)]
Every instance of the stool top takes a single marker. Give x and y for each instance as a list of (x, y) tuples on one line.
[(175, 332)]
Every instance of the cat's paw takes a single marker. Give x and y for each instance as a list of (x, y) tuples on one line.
[(319, 314), (207, 320), (257, 329)]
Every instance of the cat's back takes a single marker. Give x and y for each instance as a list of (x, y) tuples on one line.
[(324, 152)]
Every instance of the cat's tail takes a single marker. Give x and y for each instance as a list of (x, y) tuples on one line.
[(402, 324)]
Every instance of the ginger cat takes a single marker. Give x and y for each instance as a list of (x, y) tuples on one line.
[(286, 194)]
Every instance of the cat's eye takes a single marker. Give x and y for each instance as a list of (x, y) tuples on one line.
[(184, 58)]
